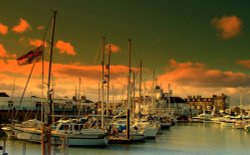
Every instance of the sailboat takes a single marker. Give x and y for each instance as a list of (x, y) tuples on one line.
[(122, 130), (69, 132)]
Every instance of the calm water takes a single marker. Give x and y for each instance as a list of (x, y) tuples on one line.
[(182, 139)]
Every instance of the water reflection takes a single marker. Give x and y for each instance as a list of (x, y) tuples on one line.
[(182, 139)]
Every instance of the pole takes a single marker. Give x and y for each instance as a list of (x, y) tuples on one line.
[(79, 99), (128, 91), (48, 121), (43, 104), (103, 82), (108, 80), (133, 95), (140, 94)]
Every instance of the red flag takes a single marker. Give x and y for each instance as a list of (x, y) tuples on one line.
[(31, 57)]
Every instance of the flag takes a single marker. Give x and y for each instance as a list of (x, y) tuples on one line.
[(31, 57)]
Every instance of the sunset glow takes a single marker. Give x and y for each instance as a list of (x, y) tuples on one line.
[(200, 52)]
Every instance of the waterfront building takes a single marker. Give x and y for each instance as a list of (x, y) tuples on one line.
[(31, 106), (159, 102), (215, 104)]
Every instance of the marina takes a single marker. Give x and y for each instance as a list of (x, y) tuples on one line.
[(181, 139), (127, 78)]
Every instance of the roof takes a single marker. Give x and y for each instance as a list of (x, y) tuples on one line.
[(3, 94), (175, 99)]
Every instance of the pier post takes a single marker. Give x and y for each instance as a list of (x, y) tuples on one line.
[(4, 147), (23, 148)]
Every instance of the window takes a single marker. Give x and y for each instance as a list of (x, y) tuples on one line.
[(10, 104)]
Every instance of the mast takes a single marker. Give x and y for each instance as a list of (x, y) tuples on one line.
[(108, 80), (79, 89), (103, 82), (153, 88), (79, 98), (52, 95), (48, 118), (241, 105), (128, 91), (99, 92), (169, 97), (12, 98), (133, 95), (42, 94), (49, 93), (153, 81), (140, 81)]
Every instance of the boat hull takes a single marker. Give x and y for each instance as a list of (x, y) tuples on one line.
[(34, 135)]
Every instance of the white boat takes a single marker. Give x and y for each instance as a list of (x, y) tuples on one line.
[(71, 132), (229, 121), (150, 129), (29, 130), (80, 133), (202, 118)]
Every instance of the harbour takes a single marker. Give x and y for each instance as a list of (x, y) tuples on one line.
[(127, 78), (181, 139)]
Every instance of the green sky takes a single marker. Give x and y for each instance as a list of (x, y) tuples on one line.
[(161, 30)]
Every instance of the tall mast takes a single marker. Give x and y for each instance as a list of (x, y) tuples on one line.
[(169, 99), (46, 144), (128, 91), (153, 88), (153, 81), (140, 81), (99, 92), (108, 80), (49, 93), (79, 89), (241, 105), (133, 95), (52, 95), (79, 97), (103, 82)]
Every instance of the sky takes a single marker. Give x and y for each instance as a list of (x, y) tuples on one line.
[(198, 47)]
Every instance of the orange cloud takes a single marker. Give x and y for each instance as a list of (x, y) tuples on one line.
[(189, 78), (3, 52), (186, 78), (65, 47), (227, 26), (245, 63), (3, 29), (114, 48), (22, 26), (64, 76), (37, 42), (196, 74)]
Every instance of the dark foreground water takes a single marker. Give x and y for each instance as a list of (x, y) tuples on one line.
[(182, 139)]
